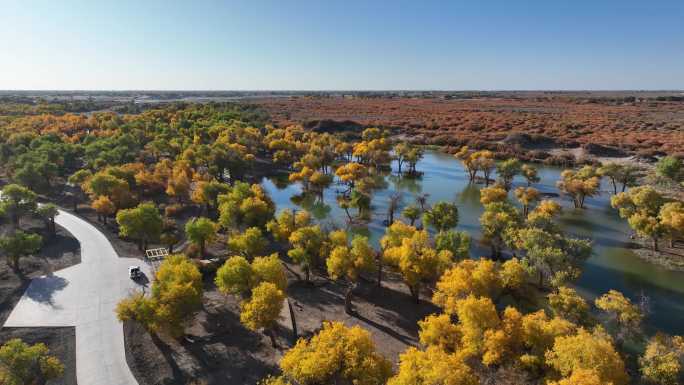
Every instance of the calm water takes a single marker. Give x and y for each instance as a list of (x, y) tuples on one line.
[(612, 265)]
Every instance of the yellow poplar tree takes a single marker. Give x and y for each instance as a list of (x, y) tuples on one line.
[(589, 351), (262, 310), (432, 366), (336, 353)]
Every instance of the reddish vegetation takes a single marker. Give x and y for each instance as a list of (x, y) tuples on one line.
[(642, 126)]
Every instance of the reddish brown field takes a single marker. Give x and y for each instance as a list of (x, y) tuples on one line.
[(643, 125)]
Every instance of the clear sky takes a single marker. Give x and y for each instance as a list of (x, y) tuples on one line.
[(325, 44)]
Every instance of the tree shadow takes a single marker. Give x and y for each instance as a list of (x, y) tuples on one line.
[(320, 298), (42, 289), (385, 329), (59, 244), (168, 354), (397, 308), (228, 352)]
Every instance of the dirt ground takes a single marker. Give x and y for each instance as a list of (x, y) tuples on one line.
[(60, 341), (58, 252), (219, 350)]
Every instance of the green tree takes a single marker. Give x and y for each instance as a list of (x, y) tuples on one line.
[(19, 244), (201, 231), (620, 174), (497, 219), (669, 167), (457, 242), (412, 213), (345, 262), (142, 223), (507, 170), (48, 212), (235, 276), (78, 180), (442, 216), (554, 257), (16, 202), (23, 364), (249, 244)]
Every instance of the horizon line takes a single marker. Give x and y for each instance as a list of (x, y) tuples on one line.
[(349, 90)]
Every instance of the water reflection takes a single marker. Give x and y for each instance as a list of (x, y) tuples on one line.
[(612, 266)]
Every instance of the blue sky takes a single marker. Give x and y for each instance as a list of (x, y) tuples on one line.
[(313, 45)]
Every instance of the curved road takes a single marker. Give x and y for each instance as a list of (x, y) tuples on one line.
[(85, 296)]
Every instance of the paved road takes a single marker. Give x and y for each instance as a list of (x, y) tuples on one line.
[(85, 296)]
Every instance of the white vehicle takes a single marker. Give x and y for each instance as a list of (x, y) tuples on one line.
[(134, 272)]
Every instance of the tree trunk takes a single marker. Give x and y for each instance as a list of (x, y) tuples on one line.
[(346, 210), (294, 321), (15, 262), (271, 335), (672, 243), (614, 186), (415, 292), (307, 274), (104, 219), (379, 261), (496, 253), (541, 279), (202, 249), (655, 244), (348, 299)]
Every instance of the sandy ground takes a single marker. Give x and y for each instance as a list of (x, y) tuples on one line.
[(60, 341), (59, 252), (219, 350)]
